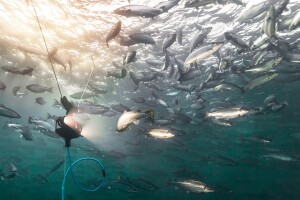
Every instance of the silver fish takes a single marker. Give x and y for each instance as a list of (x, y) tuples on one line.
[(259, 81), (24, 130), (203, 52), (7, 112), (269, 22), (130, 117)]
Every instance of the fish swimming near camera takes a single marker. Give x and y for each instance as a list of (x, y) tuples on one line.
[(7, 112), (130, 117), (24, 130)]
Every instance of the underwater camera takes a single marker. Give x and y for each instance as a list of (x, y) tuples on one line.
[(68, 128)]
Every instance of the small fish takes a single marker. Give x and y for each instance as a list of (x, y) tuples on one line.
[(130, 117), (36, 88), (40, 101), (24, 130), (2, 85), (129, 58), (16, 91), (138, 99)]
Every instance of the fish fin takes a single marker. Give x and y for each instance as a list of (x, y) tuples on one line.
[(30, 120), (150, 114), (136, 122), (50, 89)]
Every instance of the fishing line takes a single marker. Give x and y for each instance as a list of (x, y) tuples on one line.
[(70, 168), (37, 18), (87, 81)]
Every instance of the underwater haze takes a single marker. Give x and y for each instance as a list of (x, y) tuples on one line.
[(177, 99)]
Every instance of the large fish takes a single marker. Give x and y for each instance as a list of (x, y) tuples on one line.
[(236, 40), (190, 75), (26, 70), (24, 130), (265, 66), (179, 35), (160, 133), (166, 5), (198, 39), (7, 112), (227, 113), (166, 62), (259, 81), (82, 95), (199, 3), (41, 123), (280, 7), (191, 185), (113, 32), (138, 11), (91, 108), (36, 88), (130, 117), (186, 88), (120, 108), (142, 38), (253, 11), (117, 74), (97, 88), (129, 58), (203, 52), (169, 41), (295, 22), (269, 23)]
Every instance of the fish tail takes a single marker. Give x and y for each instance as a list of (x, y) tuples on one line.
[(48, 116), (50, 89), (30, 120), (150, 114)]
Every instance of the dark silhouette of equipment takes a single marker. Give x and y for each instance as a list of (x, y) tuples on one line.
[(67, 127)]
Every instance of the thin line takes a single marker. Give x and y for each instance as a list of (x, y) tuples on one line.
[(87, 81), (46, 46)]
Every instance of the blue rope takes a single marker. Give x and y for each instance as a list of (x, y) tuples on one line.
[(74, 178)]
